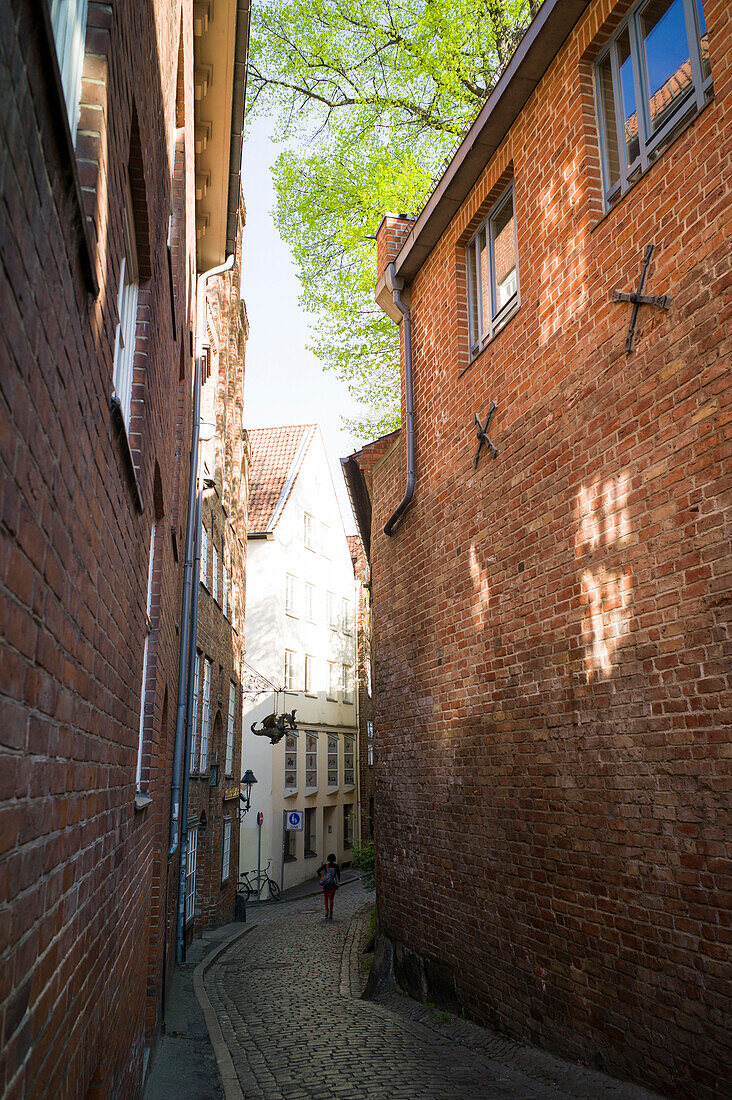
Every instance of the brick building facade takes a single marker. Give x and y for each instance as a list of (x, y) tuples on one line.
[(101, 237), (364, 687), (551, 625)]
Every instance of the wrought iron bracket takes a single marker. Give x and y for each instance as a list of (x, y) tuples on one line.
[(638, 298), (482, 434)]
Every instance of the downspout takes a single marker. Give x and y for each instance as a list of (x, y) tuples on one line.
[(393, 521), (181, 750)]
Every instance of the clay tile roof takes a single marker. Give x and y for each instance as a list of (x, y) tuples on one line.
[(277, 455)]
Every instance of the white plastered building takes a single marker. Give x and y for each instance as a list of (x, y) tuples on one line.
[(301, 638)]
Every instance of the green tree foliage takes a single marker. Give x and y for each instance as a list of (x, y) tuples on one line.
[(364, 857), (372, 96)]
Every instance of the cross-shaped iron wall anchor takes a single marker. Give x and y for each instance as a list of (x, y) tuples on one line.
[(638, 299), (482, 434)]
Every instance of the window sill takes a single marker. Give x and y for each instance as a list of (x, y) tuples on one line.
[(290, 859), (310, 855), (333, 790), (142, 801), (311, 694), (290, 792), (349, 786), (124, 442), (331, 698), (310, 790), (348, 702), (498, 332)]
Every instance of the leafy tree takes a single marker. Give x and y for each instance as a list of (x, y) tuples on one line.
[(372, 97), (364, 857)]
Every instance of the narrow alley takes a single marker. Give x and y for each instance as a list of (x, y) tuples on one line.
[(287, 998)]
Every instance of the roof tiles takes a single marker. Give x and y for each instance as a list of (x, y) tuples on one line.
[(274, 453)]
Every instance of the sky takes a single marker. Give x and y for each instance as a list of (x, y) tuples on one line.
[(284, 383)]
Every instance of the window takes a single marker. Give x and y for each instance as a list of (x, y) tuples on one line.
[(290, 763), (215, 573), (331, 613), (492, 273), (311, 842), (311, 761), (348, 825), (230, 730), (289, 670), (347, 620), (204, 554), (206, 714), (143, 689), (194, 720), (349, 761), (290, 594), (332, 761), (310, 602), (124, 343), (310, 665), (191, 860), (348, 683), (370, 744), (226, 850), (332, 680), (225, 583), (68, 21), (308, 531), (325, 540), (654, 74)]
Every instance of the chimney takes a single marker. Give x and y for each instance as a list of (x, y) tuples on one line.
[(390, 236)]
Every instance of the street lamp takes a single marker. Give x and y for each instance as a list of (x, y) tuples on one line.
[(245, 796)]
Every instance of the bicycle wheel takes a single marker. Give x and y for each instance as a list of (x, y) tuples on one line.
[(274, 890), (245, 889)]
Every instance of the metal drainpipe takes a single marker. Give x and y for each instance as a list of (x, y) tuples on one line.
[(393, 521), (193, 532)]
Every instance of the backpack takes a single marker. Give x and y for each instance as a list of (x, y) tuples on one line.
[(328, 878)]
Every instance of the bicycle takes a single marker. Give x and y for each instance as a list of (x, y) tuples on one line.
[(256, 883)]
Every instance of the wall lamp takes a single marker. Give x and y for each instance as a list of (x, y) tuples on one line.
[(245, 796)]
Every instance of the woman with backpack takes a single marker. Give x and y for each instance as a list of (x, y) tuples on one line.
[(329, 877)]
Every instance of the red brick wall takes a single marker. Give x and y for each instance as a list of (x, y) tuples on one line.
[(551, 628), (82, 871)]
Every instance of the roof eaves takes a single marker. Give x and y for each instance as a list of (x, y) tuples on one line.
[(534, 54)]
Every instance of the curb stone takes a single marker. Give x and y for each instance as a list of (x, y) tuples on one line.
[(229, 1078)]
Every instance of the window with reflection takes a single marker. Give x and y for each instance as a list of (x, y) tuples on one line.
[(492, 273), (653, 76)]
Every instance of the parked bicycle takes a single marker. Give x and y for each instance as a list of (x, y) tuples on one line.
[(254, 882)]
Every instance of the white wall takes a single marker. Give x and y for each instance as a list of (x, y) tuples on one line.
[(270, 630)]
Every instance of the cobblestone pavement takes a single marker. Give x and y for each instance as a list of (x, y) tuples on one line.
[(287, 999)]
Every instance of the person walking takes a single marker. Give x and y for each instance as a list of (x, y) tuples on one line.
[(329, 877)]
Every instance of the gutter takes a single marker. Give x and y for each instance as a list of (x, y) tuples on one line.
[(395, 285), (181, 749), (238, 108)]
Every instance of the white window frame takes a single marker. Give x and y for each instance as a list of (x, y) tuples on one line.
[(648, 143), (347, 620), (486, 328), (232, 602), (310, 595), (308, 531), (330, 610), (310, 674), (193, 764), (191, 866), (127, 295), (224, 584), (226, 850), (215, 573), (290, 674), (68, 22), (311, 760), (333, 751), (333, 681), (370, 744), (349, 760), (291, 749), (348, 684), (228, 766), (204, 555), (205, 715), (291, 595), (143, 690)]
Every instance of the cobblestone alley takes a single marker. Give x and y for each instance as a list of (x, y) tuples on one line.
[(286, 995)]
